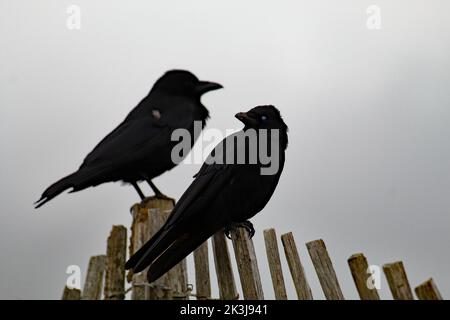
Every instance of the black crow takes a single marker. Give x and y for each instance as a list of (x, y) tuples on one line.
[(225, 193), (140, 147)]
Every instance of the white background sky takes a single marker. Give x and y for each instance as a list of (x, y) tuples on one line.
[(368, 162)]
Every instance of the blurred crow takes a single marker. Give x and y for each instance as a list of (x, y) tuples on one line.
[(140, 147), (221, 197)]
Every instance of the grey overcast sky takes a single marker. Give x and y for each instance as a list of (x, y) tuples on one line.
[(367, 167)]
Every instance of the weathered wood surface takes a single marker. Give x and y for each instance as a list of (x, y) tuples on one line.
[(398, 281), (202, 278), (296, 268), (140, 234), (324, 269), (148, 217), (93, 284), (224, 270), (115, 264), (273, 258), (71, 294), (362, 278), (244, 252), (151, 214), (428, 291)]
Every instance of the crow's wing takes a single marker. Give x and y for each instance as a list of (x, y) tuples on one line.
[(191, 207), (208, 182), (138, 112), (211, 179), (109, 137), (129, 142)]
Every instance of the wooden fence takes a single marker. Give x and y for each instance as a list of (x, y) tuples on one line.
[(106, 277)]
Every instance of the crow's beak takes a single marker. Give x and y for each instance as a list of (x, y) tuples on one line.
[(245, 119), (205, 86)]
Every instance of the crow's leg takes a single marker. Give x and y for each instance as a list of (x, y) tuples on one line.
[(247, 225), (158, 193), (138, 190)]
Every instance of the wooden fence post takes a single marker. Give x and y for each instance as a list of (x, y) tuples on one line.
[(93, 284), (398, 281), (224, 270), (273, 258), (247, 264), (428, 291), (298, 274), (359, 269), (148, 217), (324, 269), (71, 294), (115, 264), (202, 279), (140, 234)]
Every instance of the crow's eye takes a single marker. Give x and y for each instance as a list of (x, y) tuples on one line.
[(263, 118)]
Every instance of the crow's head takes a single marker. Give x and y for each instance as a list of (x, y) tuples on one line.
[(183, 83), (264, 117)]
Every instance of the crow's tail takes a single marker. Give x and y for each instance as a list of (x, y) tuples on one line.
[(175, 253), (151, 250), (56, 188), (165, 249)]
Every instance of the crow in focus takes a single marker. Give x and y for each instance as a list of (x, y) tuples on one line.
[(222, 196), (140, 147)]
